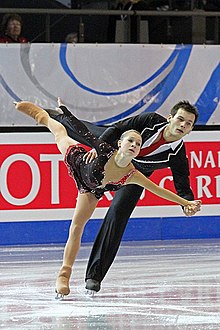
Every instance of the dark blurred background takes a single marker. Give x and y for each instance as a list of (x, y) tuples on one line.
[(97, 28)]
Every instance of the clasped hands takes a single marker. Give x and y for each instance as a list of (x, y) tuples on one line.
[(192, 208)]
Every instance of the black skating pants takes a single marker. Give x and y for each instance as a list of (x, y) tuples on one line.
[(110, 234)]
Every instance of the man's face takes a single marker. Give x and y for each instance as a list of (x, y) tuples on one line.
[(181, 124)]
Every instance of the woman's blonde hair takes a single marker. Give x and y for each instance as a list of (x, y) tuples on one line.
[(128, 132)]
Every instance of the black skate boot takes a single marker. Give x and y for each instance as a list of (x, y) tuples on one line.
[(92, 286)]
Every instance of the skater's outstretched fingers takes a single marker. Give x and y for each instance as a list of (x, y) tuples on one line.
[(89, 156), (188, 211), (197, 206)]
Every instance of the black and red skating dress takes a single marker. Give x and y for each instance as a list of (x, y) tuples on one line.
[(89, 176)]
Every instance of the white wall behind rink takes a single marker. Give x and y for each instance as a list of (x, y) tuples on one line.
[(99, 213), (66, 213)]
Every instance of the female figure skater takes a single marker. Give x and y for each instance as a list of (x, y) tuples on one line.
[(110, 170)]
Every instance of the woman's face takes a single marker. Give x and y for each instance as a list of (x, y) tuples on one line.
[(131, 144), (14, 28)]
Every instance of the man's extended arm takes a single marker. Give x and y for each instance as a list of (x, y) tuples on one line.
[(139, 123), (180, 169)]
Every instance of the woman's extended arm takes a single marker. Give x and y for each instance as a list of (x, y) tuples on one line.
[(139, 179)]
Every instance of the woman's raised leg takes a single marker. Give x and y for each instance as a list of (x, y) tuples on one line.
[(63, 141)]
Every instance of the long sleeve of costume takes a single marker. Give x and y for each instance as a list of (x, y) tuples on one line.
[(138, 123), (180, 169)]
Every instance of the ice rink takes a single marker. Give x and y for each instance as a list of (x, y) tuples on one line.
[(151, 285)]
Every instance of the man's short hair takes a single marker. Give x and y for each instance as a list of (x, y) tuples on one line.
[(185, 105)]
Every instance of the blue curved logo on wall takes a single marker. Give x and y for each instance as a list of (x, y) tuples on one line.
[(8, 89), (175, 64), (210, 97)]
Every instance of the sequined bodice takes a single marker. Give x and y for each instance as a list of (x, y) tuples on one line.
[(92, 173), (89, 176)]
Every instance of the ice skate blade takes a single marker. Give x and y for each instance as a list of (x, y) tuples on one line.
[(90, 293), (59, 296)]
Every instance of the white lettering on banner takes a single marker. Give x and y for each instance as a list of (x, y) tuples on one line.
[(200, 160), (35, 179), (217, 185), (162, 182), (203, 182), (209, 160), (54, 159), (195, 159)]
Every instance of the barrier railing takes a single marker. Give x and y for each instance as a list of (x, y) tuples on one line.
[(198, 18)]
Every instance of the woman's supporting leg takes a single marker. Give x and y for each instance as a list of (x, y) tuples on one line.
[(86, 204)]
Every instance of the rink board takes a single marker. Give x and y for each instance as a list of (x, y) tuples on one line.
[(37, 197), (138, 229)]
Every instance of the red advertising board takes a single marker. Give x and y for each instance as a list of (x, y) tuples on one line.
[(34, 177)]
